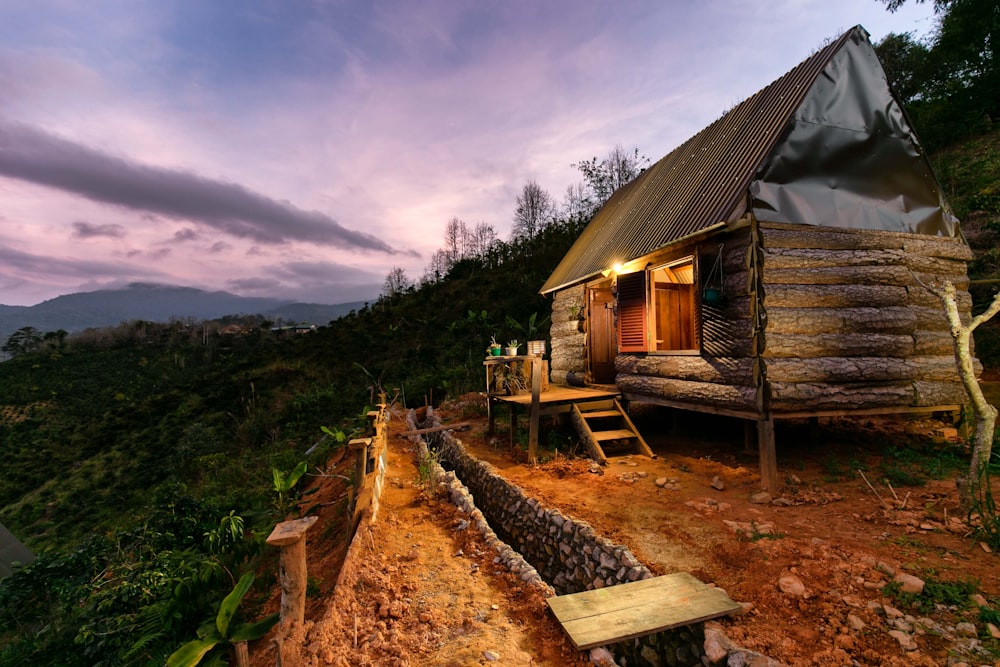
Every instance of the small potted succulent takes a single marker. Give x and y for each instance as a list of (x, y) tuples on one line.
[(511, 349), (494, 349)]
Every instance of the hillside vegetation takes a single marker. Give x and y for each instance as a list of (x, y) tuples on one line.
[(138, 462)]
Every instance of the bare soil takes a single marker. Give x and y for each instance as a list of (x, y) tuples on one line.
[(422, 591)]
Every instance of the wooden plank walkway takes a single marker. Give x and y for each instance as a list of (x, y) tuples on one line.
[(559, 395), (616, 613)]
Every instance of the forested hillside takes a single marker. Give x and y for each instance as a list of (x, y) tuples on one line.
[(138, 462)]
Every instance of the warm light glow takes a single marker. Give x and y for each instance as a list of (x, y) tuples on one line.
[(617, 268)]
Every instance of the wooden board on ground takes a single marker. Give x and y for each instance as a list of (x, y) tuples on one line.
[(613, 614)]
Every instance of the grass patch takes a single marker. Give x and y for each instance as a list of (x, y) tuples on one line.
[(756, 535), (915, 464), (952, 594)]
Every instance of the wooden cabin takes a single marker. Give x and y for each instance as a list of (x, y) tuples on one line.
[(772, 266)]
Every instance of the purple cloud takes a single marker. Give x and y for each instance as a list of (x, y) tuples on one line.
[(87, 230), (29, 154), (185, 235)]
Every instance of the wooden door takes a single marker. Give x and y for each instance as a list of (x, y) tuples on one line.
[(601, 335)]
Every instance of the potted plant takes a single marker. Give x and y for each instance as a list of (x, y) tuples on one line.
[(494, 349), (511, 349)]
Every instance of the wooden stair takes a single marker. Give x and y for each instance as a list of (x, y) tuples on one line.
[(605, 425)]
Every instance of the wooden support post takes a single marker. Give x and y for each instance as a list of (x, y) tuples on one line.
[(290, 536), (490, 408), (536, 387), (513, 425), (242, 654), (491, 414), (766, 451)]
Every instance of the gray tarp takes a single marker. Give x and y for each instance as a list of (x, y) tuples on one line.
[(848, 157)]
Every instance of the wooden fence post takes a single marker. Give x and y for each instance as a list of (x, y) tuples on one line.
[(290, 536)]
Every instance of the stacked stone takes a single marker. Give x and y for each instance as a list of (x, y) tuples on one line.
[(462, 499), (566, 553), (544, 546), (675, 648)]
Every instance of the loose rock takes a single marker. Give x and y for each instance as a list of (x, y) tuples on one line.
[(601, 657), (909, 583), (792, 585), (855, 623), (905, 641), (966, 630)]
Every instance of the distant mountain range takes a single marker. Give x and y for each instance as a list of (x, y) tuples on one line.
[(157, 303)]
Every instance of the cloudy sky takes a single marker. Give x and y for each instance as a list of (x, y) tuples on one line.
[(302, 148)]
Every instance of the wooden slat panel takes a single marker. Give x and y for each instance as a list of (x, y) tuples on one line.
[(632, 312), (610, 615)]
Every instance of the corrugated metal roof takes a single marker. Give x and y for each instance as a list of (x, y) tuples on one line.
[(699, 184)]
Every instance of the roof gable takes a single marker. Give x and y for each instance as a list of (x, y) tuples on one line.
[(764, 151)]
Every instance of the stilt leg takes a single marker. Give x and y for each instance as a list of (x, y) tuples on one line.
[(768, 457)]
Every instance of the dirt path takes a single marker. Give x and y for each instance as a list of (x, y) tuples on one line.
[(428, 593), (421, 591)]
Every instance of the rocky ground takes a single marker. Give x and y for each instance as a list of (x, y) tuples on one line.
[(836, 568)]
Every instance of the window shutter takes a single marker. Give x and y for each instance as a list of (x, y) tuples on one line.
[(632, 312)]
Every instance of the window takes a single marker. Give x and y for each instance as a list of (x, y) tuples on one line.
[(656, 309)]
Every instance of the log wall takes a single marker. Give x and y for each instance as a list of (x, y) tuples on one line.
[(814, 319), (723, 376), (848, 324), (569, 359)]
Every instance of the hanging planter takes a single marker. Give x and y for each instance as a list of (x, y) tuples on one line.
[(713, 293), (712, 296)]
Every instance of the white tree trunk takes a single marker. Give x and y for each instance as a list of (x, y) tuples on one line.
[(986, 414)]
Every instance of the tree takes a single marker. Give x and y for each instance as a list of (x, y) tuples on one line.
[(577, 203), (534, 211), (22, 341), (482, 239), (905, 63), (456, 239), (437, 268), (55, 339), (395, 283), (986, 414), (957, 71), (616, 169)]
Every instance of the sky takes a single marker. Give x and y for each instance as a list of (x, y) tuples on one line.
[(300, 149)]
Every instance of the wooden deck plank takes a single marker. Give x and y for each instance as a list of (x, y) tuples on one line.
[(556, 395), (616, 613)]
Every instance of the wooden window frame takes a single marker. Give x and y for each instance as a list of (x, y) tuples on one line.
[(636, 317)]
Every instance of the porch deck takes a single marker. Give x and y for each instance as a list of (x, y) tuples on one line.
[(554, 400)]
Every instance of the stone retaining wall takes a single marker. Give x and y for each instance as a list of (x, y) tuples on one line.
[(567, 553), (546, 548)]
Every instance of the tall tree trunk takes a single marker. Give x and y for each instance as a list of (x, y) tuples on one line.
[(986, 414)]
